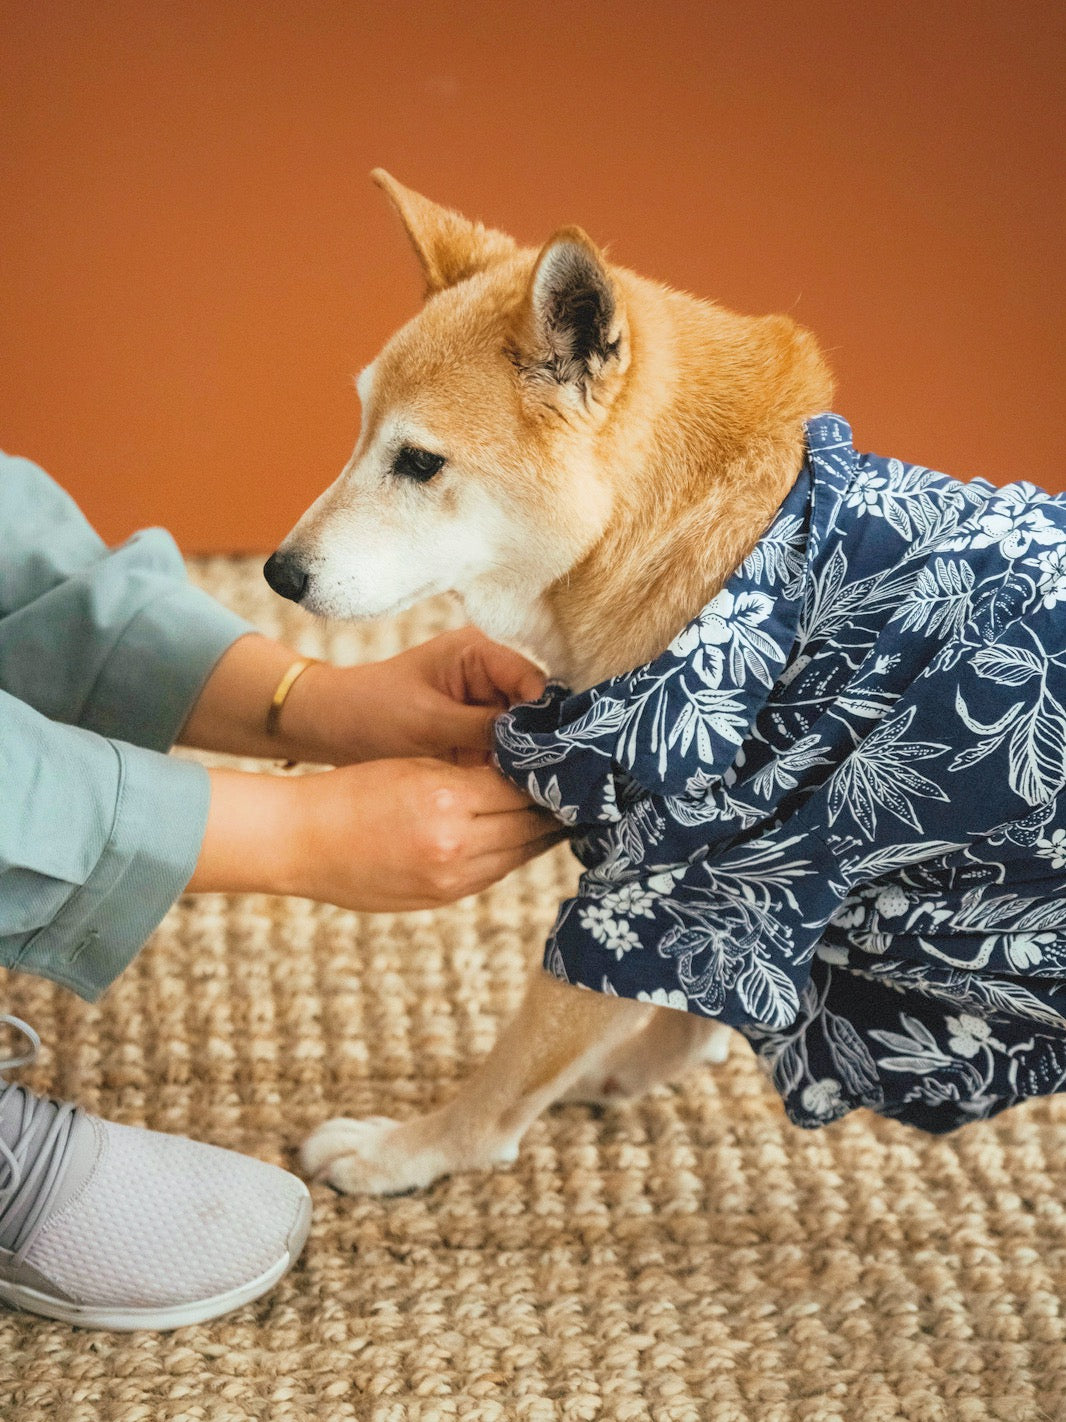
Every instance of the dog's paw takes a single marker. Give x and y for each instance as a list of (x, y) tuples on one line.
[(371, 1157)]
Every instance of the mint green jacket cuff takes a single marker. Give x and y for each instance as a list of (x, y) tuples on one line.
[(148, 857), (158, 667), (112, 639)]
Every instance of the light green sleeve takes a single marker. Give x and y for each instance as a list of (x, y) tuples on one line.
[(102, 656), (117, 641), (97, 840)]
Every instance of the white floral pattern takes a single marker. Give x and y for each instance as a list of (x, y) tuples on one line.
[(830, 813)]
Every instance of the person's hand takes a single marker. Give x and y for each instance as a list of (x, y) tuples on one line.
[(437, 699), (383, 836), (405, 834)]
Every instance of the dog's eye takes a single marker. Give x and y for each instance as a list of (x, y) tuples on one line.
[(418, 464)]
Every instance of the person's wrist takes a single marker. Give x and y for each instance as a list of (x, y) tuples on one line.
[(255, 838), (288, 849), (318, 820), (314, 723)]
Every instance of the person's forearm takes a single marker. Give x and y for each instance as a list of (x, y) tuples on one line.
[(384, 836), (252, 842), (231, 712)]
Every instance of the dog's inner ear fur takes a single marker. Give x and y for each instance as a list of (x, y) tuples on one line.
[(449, 247), (573, 320)]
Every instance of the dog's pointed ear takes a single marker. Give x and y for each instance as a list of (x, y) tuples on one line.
[(573, 323), (449, 247)]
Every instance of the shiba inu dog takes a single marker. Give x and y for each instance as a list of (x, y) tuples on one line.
[(583, 456)]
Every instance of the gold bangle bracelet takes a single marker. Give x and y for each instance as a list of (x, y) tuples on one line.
[(285, 685)]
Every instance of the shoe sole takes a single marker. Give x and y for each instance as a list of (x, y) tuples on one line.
[(127, 1320)]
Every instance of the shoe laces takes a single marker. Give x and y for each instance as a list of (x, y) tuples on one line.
[(28, 1185)]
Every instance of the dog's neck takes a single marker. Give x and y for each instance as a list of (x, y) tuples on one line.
[(718, 402)]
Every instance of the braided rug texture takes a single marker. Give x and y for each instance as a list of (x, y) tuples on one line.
[(689, 1258)]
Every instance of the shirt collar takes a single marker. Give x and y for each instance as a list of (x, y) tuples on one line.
[(686, 713)]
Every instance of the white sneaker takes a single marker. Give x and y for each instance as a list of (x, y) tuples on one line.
[(108, 1226)]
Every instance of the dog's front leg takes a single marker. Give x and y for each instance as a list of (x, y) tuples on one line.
[(558, 1036), (671, 1044)]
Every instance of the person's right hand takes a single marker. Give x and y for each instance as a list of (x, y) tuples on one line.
[(381, 836)]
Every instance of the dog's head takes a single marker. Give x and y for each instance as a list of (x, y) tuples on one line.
[(475, 467)]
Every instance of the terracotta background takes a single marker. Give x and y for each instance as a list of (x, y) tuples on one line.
[(193, 262)]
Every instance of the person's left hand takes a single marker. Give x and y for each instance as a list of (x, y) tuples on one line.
[(438, 699)]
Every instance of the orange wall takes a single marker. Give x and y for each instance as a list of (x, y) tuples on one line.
[(193, 263)]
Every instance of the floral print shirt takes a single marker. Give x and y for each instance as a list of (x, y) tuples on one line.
[(829, 813)]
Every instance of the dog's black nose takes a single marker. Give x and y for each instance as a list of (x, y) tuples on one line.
[(284, 574)]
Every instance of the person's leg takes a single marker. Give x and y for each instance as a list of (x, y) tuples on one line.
[(109, 1226)]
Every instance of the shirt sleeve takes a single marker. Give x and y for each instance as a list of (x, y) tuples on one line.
[(97, 839), (115, 641)]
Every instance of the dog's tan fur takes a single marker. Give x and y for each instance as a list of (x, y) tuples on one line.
[(601, 498)]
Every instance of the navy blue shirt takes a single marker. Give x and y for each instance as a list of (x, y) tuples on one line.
[(829, 814)]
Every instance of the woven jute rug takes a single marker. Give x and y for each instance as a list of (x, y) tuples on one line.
[(689, 1258)]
